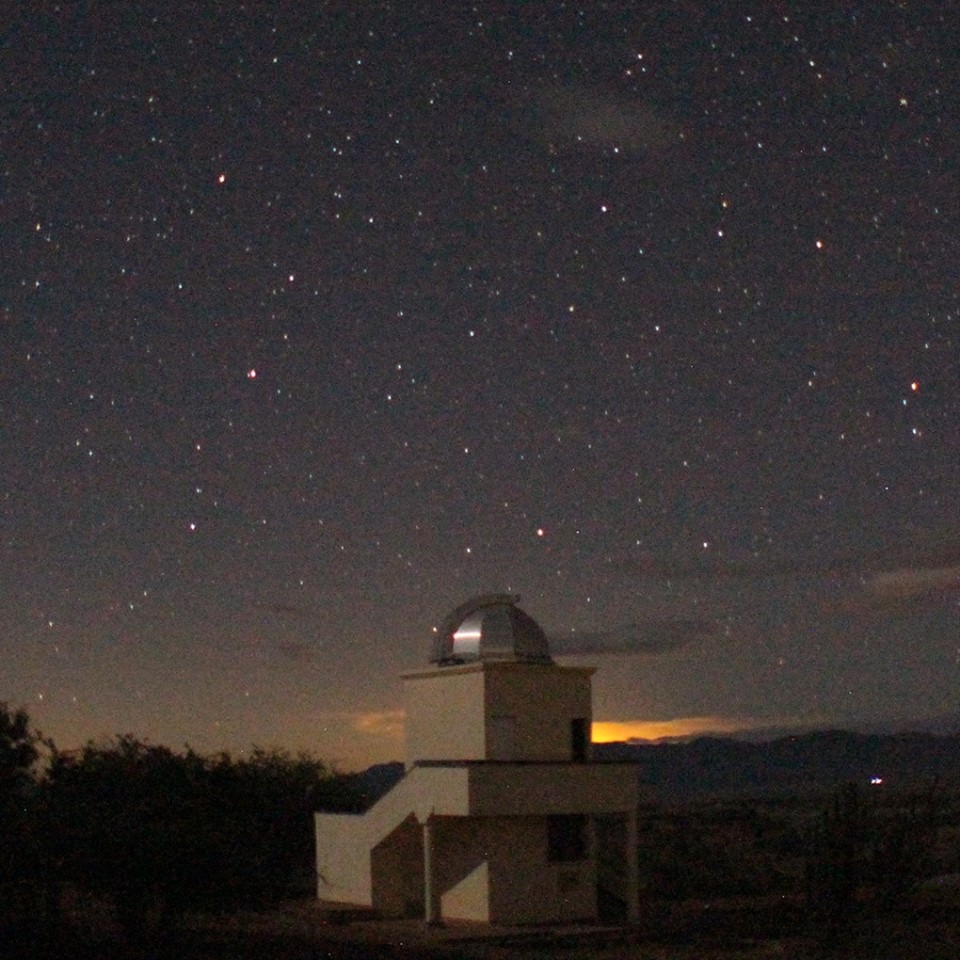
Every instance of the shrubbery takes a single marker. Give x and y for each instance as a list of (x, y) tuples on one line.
[(705, 851), (859, 850), (153, 832), (865, 852)]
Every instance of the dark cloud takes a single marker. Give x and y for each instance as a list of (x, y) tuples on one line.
[(652, 637), (913, 569)]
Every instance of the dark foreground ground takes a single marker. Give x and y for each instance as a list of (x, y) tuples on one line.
[(924, 927)]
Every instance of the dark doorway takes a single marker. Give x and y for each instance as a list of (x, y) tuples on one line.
[(579, 739)]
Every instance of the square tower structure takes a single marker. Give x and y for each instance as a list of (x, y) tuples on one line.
[(500, 816)]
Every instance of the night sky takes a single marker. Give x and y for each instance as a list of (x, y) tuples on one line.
[(320, 318)]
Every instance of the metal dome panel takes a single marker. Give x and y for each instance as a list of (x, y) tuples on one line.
[(490, 627)]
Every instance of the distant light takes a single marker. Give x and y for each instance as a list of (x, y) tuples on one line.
[(914, 386), (876, 781), (222, 178), (251, 374), (541, 532)]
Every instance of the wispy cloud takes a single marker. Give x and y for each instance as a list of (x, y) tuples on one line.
[(924, 551), (290, 611), (900, 590), (710, 567), (652, 636), (591, 118), (379, 723), (578, 117)]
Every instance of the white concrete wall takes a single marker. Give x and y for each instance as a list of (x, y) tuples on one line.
[(488, 820), (491, 867), (343, 859), (525, 887), (495, 710), (444, 714), (496, 870), (396, 865), (462, 873), (543, 700), (500, 789), (344, 841), (470, 898)]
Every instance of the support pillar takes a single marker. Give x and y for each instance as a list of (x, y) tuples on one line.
[(431, 896)]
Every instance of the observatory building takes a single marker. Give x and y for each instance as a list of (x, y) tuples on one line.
[(500, 816)]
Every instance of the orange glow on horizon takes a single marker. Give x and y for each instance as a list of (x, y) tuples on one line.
[(389, 724), (613, 731)]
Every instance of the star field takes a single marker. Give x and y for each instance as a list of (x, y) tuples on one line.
[(319, 319)]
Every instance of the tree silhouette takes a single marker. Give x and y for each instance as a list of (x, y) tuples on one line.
[(159, 833), (18, 752), (20, 878)]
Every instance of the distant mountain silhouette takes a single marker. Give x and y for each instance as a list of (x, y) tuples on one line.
[(789, 766), (944, 724), (371, 784), (799, 764)]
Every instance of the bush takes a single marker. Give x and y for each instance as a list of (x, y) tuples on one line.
[(706, 852), (870, 854), (159, 833)]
